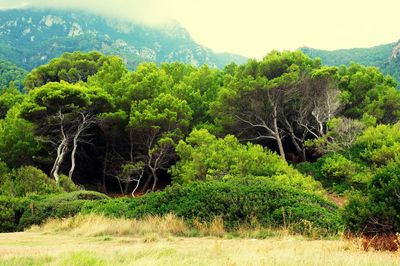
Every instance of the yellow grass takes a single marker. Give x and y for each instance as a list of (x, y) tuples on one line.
[(98, 225), (35, 248), (157, 226), (96, 240)]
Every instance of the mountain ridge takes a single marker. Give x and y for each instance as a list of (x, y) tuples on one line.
[(32, 37), (384, 57)]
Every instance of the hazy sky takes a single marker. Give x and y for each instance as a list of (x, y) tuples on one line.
[(254, 27)]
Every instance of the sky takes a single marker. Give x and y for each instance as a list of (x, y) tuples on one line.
[(254, 27)]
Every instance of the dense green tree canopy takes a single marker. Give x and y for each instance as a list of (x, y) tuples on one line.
[(70, 67), (11, 73), (9, 97), (18, 145)]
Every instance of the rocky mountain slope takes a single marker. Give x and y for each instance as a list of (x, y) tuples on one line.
[(31, 37)]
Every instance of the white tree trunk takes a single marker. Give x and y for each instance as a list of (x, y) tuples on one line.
[(61, 151), (84, 124)]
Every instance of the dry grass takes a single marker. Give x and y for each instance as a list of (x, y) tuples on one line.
[(96, 240), (384, 242), (93, 225), (35, 248), (162, 226)]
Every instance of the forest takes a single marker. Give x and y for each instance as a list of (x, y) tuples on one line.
[(279, 142)]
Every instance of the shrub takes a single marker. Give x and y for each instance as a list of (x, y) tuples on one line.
[(28, 179), (338, 173), (235, 201), (11, 210), (380, 144), (67, 184), (204, 157), (57, 206), (378, 213), (5, 180), (338, 168)]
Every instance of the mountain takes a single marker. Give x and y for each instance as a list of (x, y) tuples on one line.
[(31, 37), (385, 57)]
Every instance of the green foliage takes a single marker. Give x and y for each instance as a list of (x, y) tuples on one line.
[(205, 157), (380, 144), (11, 210), (165, 114), (28, 180), (5, 181), (70, 67), (236, 201), (369, 92), (375, 56), (343, 173), (54, 97), (18, 145), (9, 97), (57, 206), (67, 185), (379, 211), (200, 89), (338, 173), (10, 73)]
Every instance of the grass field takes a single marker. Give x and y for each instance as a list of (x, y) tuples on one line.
[(36, 248), (97, 240)]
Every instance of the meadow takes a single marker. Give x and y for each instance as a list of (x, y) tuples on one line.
[(96, 240)]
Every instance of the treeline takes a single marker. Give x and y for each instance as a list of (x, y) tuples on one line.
[(85, 120)]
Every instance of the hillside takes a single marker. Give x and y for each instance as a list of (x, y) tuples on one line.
[(384, 57), (29, 38)]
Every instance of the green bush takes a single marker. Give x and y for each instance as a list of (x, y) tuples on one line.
[(30, 180), (338, 168), (67, 184), (379, 211), (204, 157), (379, 144), (56, 206), (237, 201), (337, 173), (5, 180), (11, 210)]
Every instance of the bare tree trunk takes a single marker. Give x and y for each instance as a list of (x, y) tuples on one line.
[(277, 134), (61, 150), (120, 185), (73, 153), (126, 188), (146, 185), (84, 124), (300, 149), (137, 183), (155, 180), (58, 162), (103, 179)]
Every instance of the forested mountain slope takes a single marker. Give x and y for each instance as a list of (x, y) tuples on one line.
[(385, 57), (29, 38)]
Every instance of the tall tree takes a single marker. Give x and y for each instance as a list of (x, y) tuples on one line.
[(157, 126), (62, 112)]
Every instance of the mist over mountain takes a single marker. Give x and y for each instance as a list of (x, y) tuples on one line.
[(385, 57), (32, 37)]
